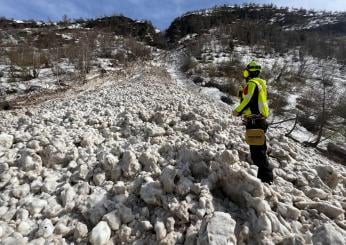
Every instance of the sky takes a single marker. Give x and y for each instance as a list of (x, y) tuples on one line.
[(159, 12)]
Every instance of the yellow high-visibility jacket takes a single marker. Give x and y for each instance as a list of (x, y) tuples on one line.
[(254, 98)]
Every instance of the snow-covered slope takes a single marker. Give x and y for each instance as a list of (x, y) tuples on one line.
[(144, 159)]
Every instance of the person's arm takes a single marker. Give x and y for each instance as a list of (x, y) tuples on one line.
[(248, 92)]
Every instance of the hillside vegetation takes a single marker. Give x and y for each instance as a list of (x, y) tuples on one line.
[(320, 34)]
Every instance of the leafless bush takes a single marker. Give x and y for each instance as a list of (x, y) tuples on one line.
[(232, 69), (188, 63), (340, 109), (303, 64), (233, 87), (106, 45), (196, 48), (277, 103), (137, 50), (213, 71), (119, 58), (65, 21), (295, 79), (29, 60), (81, 53)]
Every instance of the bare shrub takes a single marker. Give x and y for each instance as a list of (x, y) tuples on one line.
[(119, 58), (233, 87), (232, 69), (106, 45), (137, 50), (277, 103), (303, 64), (81, 53), (196, 48), (65, 21), (29, 60), (213, 71), (340, 109), (188, 63), (295, 79)]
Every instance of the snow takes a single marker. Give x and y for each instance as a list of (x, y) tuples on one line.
[(292, 101), (67, 36), (213, 93), (314, 22), (75, 26)]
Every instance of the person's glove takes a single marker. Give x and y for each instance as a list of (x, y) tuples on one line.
[(235, 113)]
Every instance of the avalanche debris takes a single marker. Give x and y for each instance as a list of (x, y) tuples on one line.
[(146, 160)]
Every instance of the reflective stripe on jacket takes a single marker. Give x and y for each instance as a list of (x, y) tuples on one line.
[(254, 98)]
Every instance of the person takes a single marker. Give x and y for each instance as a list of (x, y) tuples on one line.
[(254, 107)]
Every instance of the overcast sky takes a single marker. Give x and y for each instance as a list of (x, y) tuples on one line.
[(160, 12)]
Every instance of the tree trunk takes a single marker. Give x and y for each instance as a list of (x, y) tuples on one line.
[(323, 121)]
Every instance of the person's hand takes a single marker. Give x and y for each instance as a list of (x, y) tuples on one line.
[(235, 113)]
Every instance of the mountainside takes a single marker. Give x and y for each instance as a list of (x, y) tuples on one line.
[(106, 138), (278, 28), (45, 57), (300, 59)]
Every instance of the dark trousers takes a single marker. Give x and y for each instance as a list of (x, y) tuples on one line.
[(259, 152)]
